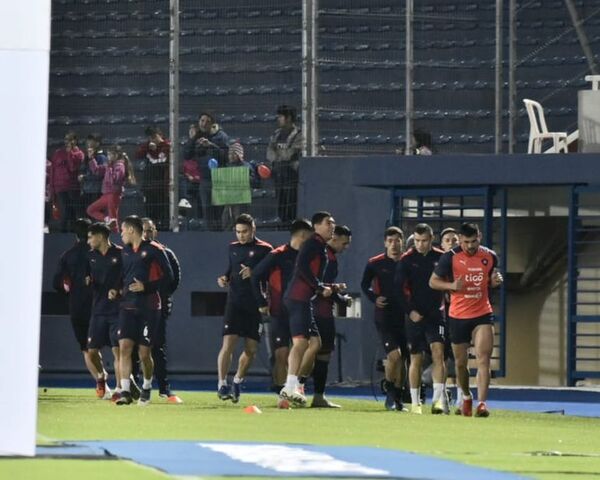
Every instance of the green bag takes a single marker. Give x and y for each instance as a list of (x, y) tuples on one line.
[(231, 186)]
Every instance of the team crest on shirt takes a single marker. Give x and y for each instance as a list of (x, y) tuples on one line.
[(484, 261), (251, 253), (144, 254), (114, 260)]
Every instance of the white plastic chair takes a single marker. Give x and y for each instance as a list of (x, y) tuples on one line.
[(538, 130)]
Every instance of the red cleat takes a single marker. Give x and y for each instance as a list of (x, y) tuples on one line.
[(467, 407), (482, 410)]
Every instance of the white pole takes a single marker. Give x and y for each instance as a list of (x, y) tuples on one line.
[(174, 116), (24, 59), (409, 107)]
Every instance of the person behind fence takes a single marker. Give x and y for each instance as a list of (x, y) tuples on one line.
[(64, 184), (91, 184), (189, 183), (155, 152), (116, 173), (235, 158), (283, 152), (207, 141)]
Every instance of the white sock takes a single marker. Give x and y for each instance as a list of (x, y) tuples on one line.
[(459, 395), (125, 385), (101, 376), (414, 396), (291, 381), (118, 390), (438, 391), (223, 383), (237, 379), (147, 385)]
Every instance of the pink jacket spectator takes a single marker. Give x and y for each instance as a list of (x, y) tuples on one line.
[(190, 167), (64, 170), (114, 175)]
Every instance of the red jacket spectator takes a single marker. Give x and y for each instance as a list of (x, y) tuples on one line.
[(64, 170), (191, 170)]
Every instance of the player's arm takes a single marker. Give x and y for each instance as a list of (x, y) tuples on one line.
[(223, 280), (443, 272), (176, 267), (496, 278), (402, 293), (61, 274), (366, 284), (259, 277), (307, 255), (166, 277)]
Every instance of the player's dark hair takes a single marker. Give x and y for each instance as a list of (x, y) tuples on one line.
[(208, 114), (393, 231), (72, 135), (423, 229), (445, 231), (96, 137), (469, 229), (319, 217), (245, 219), (134, 222), (80, 228), (99, 228), (342, 231), (152, 130), (287, 111), (300, 225)]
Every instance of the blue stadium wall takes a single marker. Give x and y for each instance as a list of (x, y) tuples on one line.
[(357, 191)]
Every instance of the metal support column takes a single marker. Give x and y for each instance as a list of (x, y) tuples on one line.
[(409, 107), (581, 35), (512, 67), (499, 84), (309, 78), (174, 115)]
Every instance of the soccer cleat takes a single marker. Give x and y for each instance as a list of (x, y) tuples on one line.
[(171, 397), (144, 397), (437, 408), (390, 399), (321, 401), (101, 387), (467, 407), (301, 389), (124, 399), (482, 410), (115, 396), (108, 394), (135, 389), (293, 395), (224, 393), (417, 409), (236, 391)]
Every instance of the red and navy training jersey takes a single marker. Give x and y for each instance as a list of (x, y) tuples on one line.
[(323, 306), (244, 254), (149, 265), (307, 279), (378, 280), (413, 272), (276, 270), (473, 300), (71, 272), (105, 274)]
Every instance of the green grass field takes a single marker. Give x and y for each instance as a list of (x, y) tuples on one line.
[(505, 441)]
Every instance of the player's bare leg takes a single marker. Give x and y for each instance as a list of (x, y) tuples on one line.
[(461, 359), (291, 389), (280, 365), (223, 364), (483, 339), (117, 364), (308, 359), (414, 380), (125, 367), (95, 358), (244, 362), (147, 363), (438, 373), (393, 377)]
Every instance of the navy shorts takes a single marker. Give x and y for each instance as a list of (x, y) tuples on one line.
[(302, 320), (242, 321), (461, 330), (280, 331), (390, 326), (419, 335), (81, 326), (138, 325), (326, 326), (103, 331)]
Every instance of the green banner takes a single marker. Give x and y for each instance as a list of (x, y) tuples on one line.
[(231, 186)]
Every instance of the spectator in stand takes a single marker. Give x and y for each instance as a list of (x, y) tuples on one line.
[(155, 152), (235, 158), (64, 185), (91, 184), (116, 172), (206, 142), (284, 150)]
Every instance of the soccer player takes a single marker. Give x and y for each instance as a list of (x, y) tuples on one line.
[(468, 271), (70, 278), (323, 309), (448, 239), (378, 285), (425, 321), (105, 269), (276, 269), (242, 318), (159, 348), (146, 269), (307, 281)]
